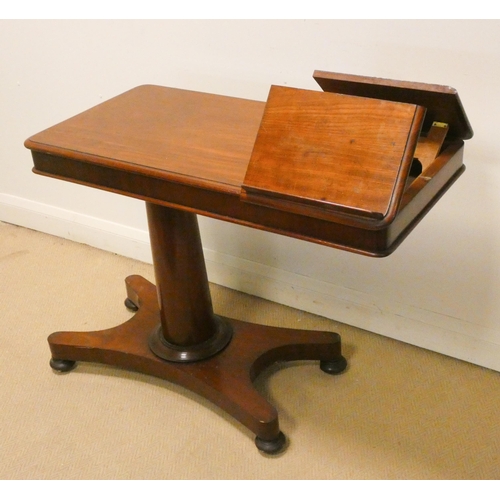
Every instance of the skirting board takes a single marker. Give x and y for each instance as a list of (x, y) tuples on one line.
[(429, 330)]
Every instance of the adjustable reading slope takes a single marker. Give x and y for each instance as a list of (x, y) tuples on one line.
[(371, 156), (324, 154)]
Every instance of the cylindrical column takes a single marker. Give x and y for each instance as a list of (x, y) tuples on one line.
[(189, 328)]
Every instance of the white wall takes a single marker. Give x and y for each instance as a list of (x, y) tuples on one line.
[(441, 288)]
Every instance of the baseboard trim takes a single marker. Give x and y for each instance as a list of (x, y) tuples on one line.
[(427, 329), (98, 233)]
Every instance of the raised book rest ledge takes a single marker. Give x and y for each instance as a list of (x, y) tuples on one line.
[(187, 153)]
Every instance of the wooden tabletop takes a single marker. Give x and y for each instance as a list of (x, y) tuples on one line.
[(178, 135), (191, 150)]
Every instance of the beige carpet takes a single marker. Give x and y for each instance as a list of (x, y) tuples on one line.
[(399, 412)]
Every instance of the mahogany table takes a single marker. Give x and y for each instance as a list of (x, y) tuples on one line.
[(186, 153)]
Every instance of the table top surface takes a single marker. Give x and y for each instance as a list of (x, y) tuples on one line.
[(179, 135), (191, 150)]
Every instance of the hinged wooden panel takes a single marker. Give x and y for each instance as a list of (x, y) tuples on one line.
[(322, 154), (441, 102)]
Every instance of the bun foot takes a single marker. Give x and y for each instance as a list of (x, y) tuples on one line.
[(334, 366), (62, 365), (131, 306), (273, 446)]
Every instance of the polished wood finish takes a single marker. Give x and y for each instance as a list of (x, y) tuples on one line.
[(94, 149), (189, 329), (225, 379), (441, 102), (181, 275), (193, 138), (187, 153), (321, 154)]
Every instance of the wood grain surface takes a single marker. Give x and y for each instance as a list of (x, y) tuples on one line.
[(190, 150), (174, 134), (332, 152)]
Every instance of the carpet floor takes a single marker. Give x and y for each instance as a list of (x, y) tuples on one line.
[(398, 412)]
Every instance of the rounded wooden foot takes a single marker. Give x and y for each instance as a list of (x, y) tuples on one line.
[(273, 446), (62, 365), (131, 306), (334, 366)]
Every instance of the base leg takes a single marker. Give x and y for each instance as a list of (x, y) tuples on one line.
[(225, 379)]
